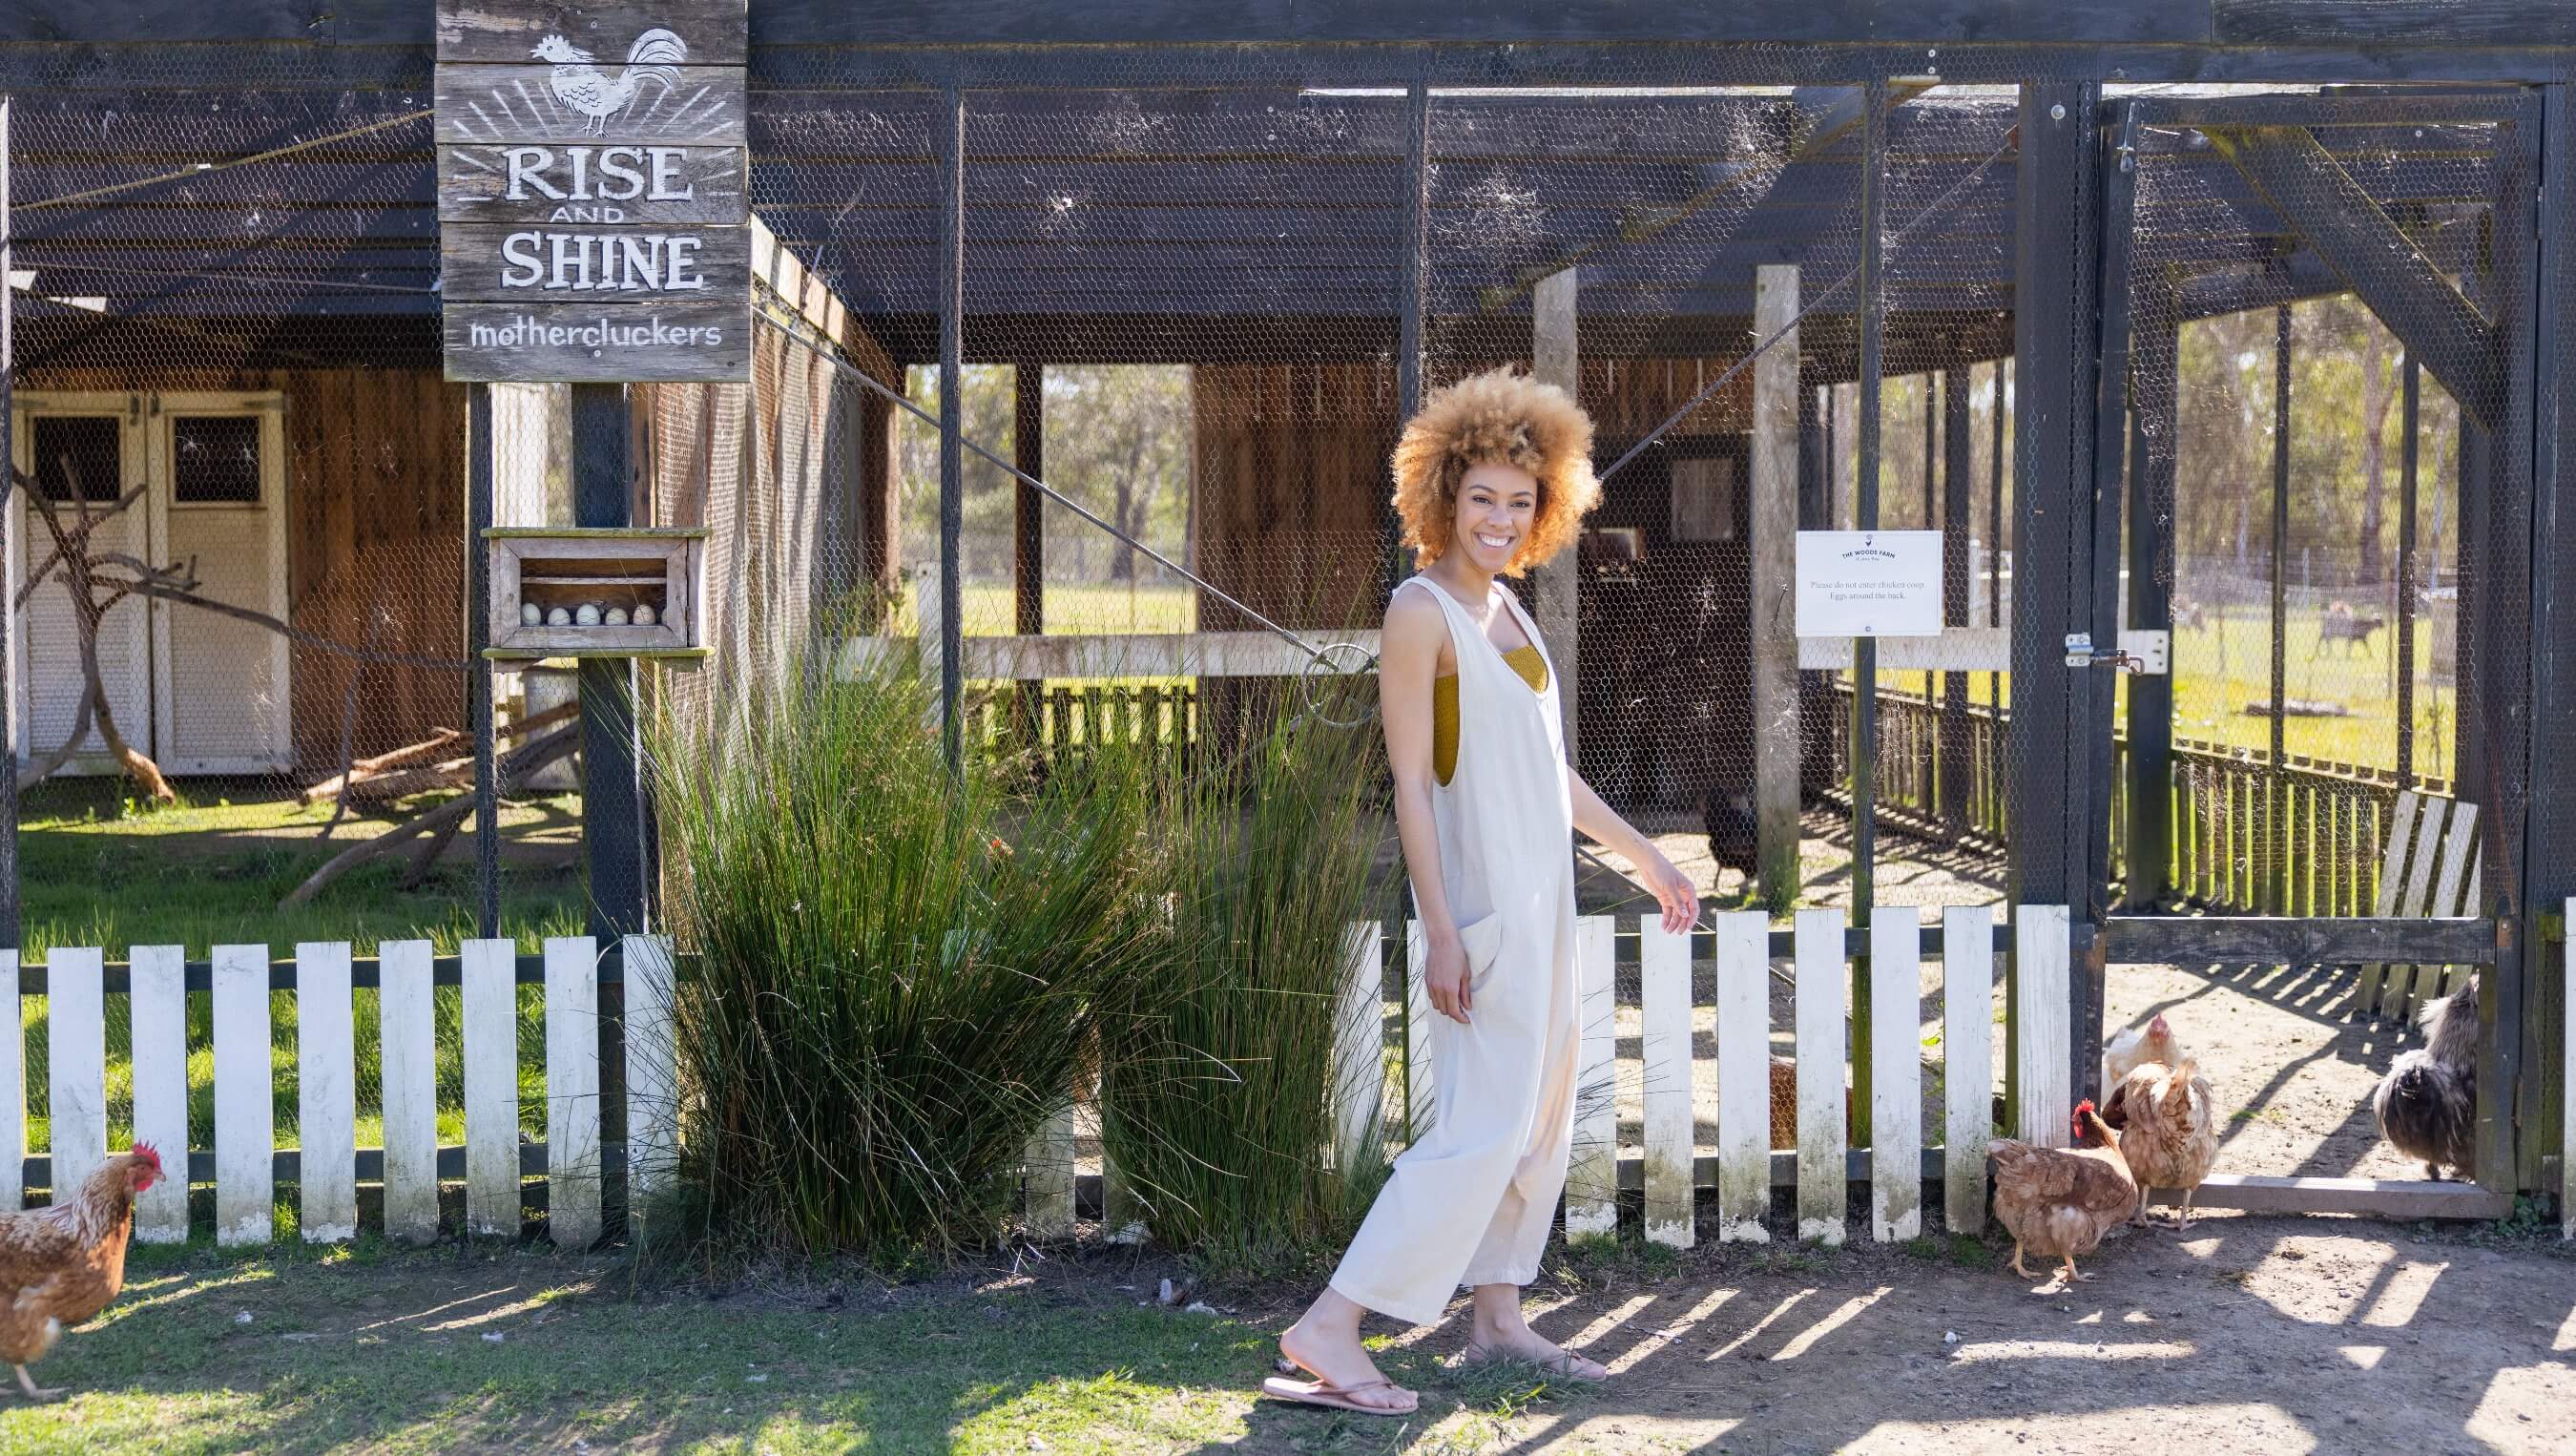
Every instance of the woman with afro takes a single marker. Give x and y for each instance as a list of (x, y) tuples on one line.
[(1491, 478)]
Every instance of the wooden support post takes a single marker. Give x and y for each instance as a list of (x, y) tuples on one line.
[(2533, 803), (1415, 222), (2153, 373), (952, 421), (2410, 429), (2272, 813), (1956, 500), (2056, 341), (1554, 360), (1864, 724), (480, 468), (1776, 736), (612, 796), (1816, 700), (1028, 527), (9, 665)]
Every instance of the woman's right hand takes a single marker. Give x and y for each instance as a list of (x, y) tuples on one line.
[(1445, 979)]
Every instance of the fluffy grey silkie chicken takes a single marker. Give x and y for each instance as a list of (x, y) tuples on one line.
[(2427, 1105)]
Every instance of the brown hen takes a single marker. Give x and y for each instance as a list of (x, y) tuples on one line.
[(2059, 1202), (61, 1265), (2172, 1134)]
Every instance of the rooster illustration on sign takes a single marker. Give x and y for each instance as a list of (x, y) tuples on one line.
[(580, 84)]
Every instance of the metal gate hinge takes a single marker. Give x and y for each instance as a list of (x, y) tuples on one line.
[(2080, 653)]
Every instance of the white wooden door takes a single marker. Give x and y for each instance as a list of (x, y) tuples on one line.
[(220, 684), (83, 450)]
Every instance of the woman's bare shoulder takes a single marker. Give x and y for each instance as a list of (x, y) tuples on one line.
[(1413, 617)]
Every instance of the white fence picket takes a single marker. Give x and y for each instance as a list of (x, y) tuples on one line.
[(490, 976), (1664, 1019), (76, 1064), (408, 1089), (652, 1071), (1592, 1183), (1743, 1076), (1967, 1061), (1895, 1073), (245, 1105), (1417, 1035), (1359, 1050), (2042, 964), (158, 1018), (326, 1092), (1821, 1057), (572, 1091), (13, 1088), (1049, 1176)]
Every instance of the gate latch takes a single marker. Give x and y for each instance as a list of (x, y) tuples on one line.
[(2080, 653)]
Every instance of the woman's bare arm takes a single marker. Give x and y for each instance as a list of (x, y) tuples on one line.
[(1671, 888), (1408, 660)]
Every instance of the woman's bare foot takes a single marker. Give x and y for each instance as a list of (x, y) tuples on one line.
[(1326, 1344), (1498, 1332)]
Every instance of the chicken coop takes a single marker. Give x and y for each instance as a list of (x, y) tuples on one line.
[(2218, 346)]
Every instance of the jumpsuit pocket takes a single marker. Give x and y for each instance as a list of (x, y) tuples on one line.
[(1482, 939)]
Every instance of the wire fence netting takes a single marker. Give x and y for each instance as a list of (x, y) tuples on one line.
[(1186, 317)]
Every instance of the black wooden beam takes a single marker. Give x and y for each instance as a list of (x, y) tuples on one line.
[(480, 473), (612, 790), (2361, 242), (952, 424), (2275, 941), (8, 544), (2549, 872), (2154, 369)]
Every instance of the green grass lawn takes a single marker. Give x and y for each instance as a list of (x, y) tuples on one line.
[(492, 1348), (1086, 608)]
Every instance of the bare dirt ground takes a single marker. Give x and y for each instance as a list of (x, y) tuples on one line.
[(2250, 1335)]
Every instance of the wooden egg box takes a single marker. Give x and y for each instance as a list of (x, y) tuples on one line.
[(611, 575)]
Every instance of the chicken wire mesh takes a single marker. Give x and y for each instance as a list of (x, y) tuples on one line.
[(1185, 309)]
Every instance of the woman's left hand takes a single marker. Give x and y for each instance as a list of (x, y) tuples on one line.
[(1672, 889)]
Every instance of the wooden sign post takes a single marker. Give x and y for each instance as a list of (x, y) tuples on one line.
[(593, 191)]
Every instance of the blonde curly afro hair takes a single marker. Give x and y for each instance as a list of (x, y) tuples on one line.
[(1497, 417)]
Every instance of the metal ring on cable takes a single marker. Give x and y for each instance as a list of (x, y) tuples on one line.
[(1323, 657)]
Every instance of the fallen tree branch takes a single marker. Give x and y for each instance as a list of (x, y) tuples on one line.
[(526, 759)]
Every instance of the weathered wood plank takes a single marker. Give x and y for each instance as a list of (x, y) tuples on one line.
[(245, 1109), (2292, 941), (491, 1054), (499, 104), (1359, 1053), (2392, 881), (76, 1065), (573, 1164), (1967, 1061), (2459, 852), (1417, 1035), (1821, 1193), (326, 1092), (499, 343), (1777, 770), (159, 1016), (2041, 948), (1556, 358), (716, 32), (1743, 1076), (1895, 1074), (1957, 649), (1592, 1182), (1664, 1007), (663, 267), (408, 1068), (707, 186), (2417, 899), (2389, 1198), (1048, 1177), (652, 1069)]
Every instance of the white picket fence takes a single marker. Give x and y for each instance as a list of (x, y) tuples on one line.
[(245, 1165), (1744, 1166)]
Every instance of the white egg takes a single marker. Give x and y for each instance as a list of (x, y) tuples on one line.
[(530, 614), (587, 616), (613, 617), (558, 618), (644, 616)]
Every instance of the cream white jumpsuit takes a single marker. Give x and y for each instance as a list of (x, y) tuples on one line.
[(1471, 1202)]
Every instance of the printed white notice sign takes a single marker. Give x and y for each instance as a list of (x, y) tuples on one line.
[(1869, 583)]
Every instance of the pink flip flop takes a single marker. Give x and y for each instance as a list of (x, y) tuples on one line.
[(1333, 1397)]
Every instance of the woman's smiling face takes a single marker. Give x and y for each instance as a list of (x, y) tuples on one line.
[(1496, 504)]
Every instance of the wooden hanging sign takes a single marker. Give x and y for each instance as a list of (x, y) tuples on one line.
[(593, 192)]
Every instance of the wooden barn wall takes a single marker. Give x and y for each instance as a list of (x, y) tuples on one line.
[(375, 523), (1290, 483)]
